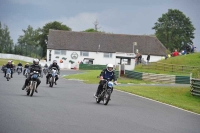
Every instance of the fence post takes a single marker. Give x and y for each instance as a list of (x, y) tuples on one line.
[(190, 78)]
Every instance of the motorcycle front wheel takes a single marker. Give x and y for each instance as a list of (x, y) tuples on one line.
[(33, 88), (51, 82), (106, 98)]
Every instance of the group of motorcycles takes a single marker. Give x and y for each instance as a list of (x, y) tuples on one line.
[(104, 94), (31, 87)]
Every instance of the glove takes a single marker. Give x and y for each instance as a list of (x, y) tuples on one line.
[(115, 82), (101, 77)]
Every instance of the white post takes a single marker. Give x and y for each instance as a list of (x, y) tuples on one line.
[(134, 44)]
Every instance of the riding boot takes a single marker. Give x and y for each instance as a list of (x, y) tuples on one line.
[(37, 87), (24, 86), (55, 82), (47, 81), (98, 90)]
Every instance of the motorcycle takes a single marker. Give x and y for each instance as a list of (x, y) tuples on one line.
[(19, 69), (31, 87), (52, 76), (8, 74), (45, 70), (3, 68), (105, 93), (26, 72)]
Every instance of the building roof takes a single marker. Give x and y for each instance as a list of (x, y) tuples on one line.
[(104, 42)]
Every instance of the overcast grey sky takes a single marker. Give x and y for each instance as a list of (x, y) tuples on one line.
[(135, 17)]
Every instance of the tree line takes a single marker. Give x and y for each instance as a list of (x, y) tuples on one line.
[(173, 29)]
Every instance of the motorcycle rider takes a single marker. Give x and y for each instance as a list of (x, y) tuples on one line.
[(13, 63), (26, 67), (20, 64), (107, 73), (45, 66), (9, 65), (53, 65), (34, 67)]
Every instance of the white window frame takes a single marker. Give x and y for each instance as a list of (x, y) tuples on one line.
[(84, 53), (60, 52), (107, 55)]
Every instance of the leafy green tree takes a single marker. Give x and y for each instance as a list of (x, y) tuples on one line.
[(45, 32), (91, 30), (29, 41), (174, 30), (1, 35), (6, 43)]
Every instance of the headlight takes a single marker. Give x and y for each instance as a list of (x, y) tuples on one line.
[(110, 84)]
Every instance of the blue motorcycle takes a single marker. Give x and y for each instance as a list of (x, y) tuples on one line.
[(8, 74), (52, 77)]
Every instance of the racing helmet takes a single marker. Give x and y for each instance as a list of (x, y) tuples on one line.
[(35, 61), (110, 66)]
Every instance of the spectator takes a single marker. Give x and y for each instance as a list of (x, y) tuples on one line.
[(192, 50), (175, 53), (148, 58)]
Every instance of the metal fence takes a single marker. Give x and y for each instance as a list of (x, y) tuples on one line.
[(170, 67)]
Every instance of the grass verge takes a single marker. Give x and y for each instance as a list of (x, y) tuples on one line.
[(176, 96), (90, 77), (5, 61)]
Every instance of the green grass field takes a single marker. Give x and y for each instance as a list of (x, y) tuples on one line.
[(192, 60), (5, 61), (90, 76), (176, 96)]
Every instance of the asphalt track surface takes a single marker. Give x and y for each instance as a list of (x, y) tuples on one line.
[(69, 107)]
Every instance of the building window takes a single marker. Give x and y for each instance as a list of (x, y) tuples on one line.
[(63, 52), (60, 52), (82, 53), (107, 55)]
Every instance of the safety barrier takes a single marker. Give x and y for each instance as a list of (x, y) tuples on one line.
[(162, 78), (91, 67), (195, 87)]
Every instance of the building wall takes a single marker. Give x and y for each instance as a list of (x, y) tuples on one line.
[(98, 57)]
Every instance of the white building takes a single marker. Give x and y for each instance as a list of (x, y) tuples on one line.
[(100, 48)]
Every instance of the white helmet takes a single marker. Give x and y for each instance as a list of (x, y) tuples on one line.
[(55, 61), (110, 66), (35, 61)]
